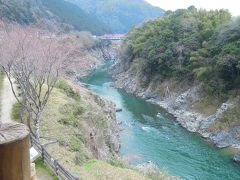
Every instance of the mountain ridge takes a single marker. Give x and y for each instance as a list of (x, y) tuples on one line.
[(120, 15), (98, 17)]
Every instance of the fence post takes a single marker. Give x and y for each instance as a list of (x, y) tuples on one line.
[(42, 149), (56, 166), (31, 143)]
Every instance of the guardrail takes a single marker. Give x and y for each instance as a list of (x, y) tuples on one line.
[(57, 168)]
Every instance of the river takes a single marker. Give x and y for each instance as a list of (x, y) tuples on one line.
[(151, 134)]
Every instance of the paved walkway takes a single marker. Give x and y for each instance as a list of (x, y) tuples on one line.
[(7, 101)]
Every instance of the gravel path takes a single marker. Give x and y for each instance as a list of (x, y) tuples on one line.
[(7, 101)]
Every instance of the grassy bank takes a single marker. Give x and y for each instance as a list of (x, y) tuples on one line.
[(43, 171), (116, 170)]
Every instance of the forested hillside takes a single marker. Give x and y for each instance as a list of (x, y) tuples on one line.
[(120, 15), (17, 11), (189, 45), (56, 15)]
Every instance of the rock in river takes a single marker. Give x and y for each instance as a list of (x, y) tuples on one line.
[(118, 110), (236, 158)]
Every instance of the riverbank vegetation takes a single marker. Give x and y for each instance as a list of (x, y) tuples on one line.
[(189, 45)]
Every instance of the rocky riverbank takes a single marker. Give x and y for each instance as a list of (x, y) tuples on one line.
[(93, 54), (87, 53), (99, 128), (102, 134), (179, 102)]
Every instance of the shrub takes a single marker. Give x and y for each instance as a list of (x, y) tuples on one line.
[(81, 158), (75, 144), (71, 112), (117, 163), (67, 89)]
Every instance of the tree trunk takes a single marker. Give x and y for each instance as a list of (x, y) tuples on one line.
[(23, 110), (29, 118), (37, 124)]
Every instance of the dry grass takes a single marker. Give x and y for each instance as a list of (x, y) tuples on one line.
[(229, 119), (207, 105), (96, 170), (68, 135), (102, 170)]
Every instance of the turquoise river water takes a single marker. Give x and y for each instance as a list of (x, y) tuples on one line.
[(151, 134)]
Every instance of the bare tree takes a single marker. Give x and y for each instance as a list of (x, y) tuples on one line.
[(34, 60)]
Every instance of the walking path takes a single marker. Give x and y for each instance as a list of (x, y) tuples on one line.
[(7, 101)]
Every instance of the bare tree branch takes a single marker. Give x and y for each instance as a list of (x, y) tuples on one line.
[(34, 60)]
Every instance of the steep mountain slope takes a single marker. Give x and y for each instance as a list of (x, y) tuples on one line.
[(57, 15), (120, 15), (75, 16)]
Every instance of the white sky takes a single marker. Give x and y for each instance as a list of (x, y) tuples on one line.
[(232, 5)]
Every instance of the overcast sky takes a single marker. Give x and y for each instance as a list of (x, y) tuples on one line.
[(232, 5)]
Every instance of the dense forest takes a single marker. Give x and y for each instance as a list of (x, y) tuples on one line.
[(194, 45), (120, 15)]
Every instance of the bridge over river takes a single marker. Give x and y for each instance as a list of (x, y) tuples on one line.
[(112, 37)]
